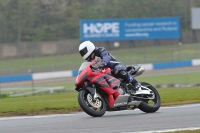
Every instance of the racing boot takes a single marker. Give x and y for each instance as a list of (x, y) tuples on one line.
[(135, 84)]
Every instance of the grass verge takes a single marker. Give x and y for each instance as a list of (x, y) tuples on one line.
[(42, 104), (67, 102), (176, 96), (176, 78)]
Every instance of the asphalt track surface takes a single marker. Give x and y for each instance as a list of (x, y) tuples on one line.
[(186, 116)]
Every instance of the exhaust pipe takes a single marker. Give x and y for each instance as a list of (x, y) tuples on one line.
[(135, 103)]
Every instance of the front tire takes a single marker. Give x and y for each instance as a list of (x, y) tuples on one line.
[(155, 103), (93, 108)]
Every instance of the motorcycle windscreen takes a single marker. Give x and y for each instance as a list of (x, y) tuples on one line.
[(83, 66)]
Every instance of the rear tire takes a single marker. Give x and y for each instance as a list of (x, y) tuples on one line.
[(95, 109), (144, 106)]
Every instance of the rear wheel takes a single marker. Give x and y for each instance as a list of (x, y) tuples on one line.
[(152, 103), (95, 108)]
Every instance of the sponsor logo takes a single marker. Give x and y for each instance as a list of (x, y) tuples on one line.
[(119, 104), (96, 30), (101, 28)]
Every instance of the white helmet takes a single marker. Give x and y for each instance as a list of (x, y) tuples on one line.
[(86, 48)]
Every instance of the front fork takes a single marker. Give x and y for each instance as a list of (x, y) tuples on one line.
[(112, 94), (92, 91)]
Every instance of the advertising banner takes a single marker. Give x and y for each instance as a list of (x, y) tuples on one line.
[(130, 29)]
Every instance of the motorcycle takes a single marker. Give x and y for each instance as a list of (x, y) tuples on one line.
[(99, 91)]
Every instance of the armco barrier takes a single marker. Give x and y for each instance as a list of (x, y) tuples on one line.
[(73, 73)]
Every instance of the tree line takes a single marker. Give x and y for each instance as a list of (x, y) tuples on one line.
[(51, 20)]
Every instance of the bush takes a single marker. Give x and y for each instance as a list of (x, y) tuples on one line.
[(4, 96)]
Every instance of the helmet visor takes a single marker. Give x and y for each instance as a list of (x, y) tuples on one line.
[(83, 51), (91, 57)]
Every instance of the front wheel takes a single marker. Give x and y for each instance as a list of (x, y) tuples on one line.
[(95, 108), (150, 106)]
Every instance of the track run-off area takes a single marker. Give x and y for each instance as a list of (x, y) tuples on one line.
[(165, 119)]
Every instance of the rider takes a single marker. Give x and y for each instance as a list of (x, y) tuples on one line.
[(88, 51)]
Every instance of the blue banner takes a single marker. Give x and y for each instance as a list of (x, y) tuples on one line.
[(130, 29)]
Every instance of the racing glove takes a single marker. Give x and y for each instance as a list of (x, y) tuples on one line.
[(102, 65)]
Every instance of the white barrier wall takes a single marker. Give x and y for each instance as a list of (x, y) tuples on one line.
[(51, 75), (74, 73), (195, 62)]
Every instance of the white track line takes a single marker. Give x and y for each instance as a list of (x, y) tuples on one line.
[(181, 106), (34, 117), (167, 130)]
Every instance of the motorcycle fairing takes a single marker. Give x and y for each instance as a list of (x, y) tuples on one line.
[(83, 75), (112, 81), (100, 77), (81, 78), (112, 93), (121, 100)]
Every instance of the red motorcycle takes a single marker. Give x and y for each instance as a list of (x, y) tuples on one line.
[(99, 91)]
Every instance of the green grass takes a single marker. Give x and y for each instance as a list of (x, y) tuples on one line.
[(181, 78), (67, 102), (44, 104), (173, 96), (151, 54), (155, 54)]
